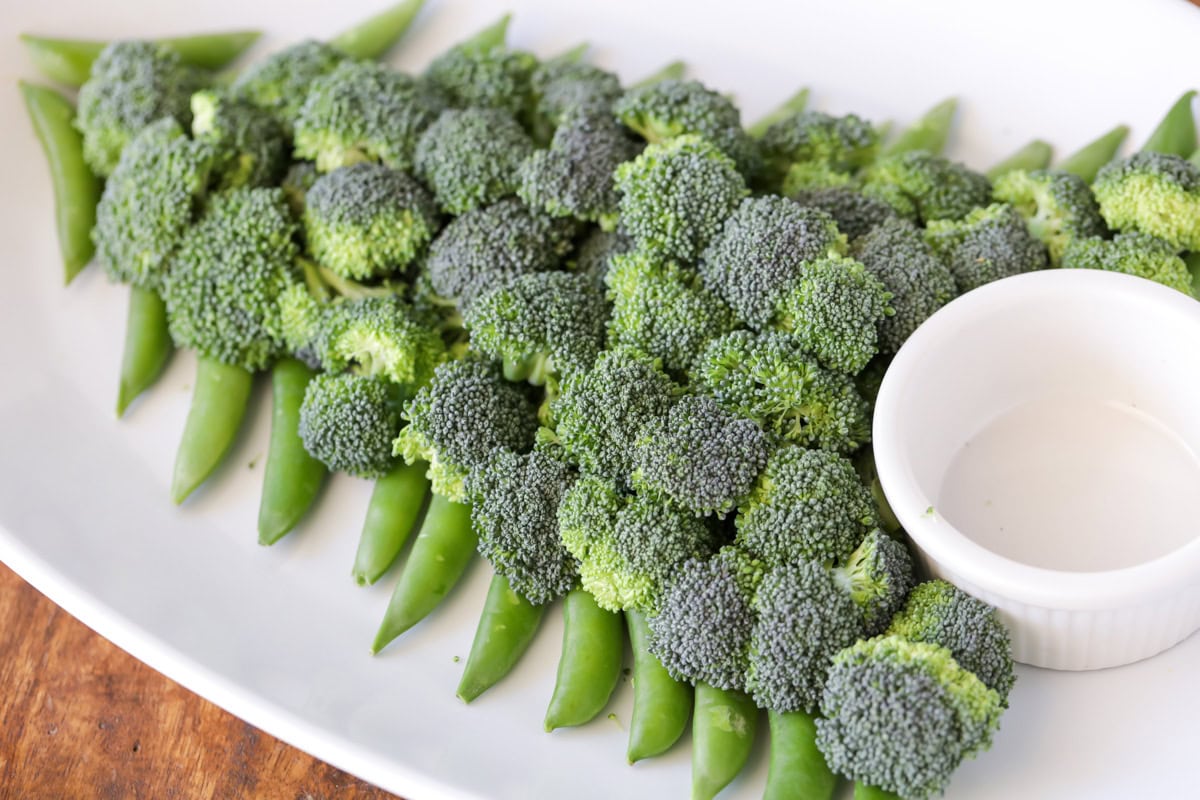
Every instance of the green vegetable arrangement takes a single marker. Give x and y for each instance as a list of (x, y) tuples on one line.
[(611, 339)]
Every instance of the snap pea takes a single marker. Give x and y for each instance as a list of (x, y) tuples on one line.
[(219, 401), (1088, 160), (148, 345), (590, 665), (444, 547), (374, 36), (506, 629), (798, 770), (1176, 133), (669, 72), (1035, 155), (396, 504), (292, 477), (793, 105), (76, 189), (722, 735), (661, 704), (929, 133)]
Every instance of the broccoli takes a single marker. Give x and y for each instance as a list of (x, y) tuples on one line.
[(699, 455), (663, 310), (363, 111), (470, 158), (918, 281), (458, 418), (594, 255), (627, 546), (808, 505), (1134, 254), (367, 220), (279, 84), (514, 511), (986, 245), (574, 177), (567, 88), (251, 146), (843, 144), (296, 182), (901, 715), (855, 213), (768, 378), (676, 195), (878, 576), (1057, 206), (348, 422), (1154, 193), (926, 187), (380, 336), (481, 72), (132, 84), (539, 324)]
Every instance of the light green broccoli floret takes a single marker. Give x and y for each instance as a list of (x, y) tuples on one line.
[(1153, 193), (279, 83), (250, 144), (471, 158), (381, 336), (878, 576), (348, 422), (1057, 206), (483, 73), (1134, 253)]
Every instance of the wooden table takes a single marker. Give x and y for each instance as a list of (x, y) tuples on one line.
[(82, 719)]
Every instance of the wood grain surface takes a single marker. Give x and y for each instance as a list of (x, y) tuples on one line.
[(81, 719)]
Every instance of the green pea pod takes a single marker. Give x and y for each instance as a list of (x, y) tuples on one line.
[(219, 401), (722, 736), (374, 36), (69, 61), (1088, 160), (669, 72), (793, 105), (661, 704), (864, 792), (148, 346), (590, 665), (798, 770), (444, 547), (930, 132), (395, 506), (1176, 133), (292, 477), (506, 629), (1035, 155), (76, 189)]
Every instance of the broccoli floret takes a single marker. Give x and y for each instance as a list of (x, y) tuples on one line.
[(565, 88), (132, 84), (458, 418), (700, 455), (1057, 206), (514, 511), (1134, 254), (471, 158), (279, 83), (942, 614), (768, 378), (901, 716), (628, 546), (348, 422), (855, 213), (808, 505), (842, 144), (574, 177), (676, 195), (250, 145), (594, 255), (878, 576), (986, 245), (363, 111), (298, 179), (540, 324), (367, 220), (663, 310), (483, 73), (918, 281), (225, 280), (665, 109), (1154, 193), (381, 336), (926, 187), (148, 202)]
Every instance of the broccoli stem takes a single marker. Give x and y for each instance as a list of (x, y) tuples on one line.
[(374, 36), (1088, 160), (148, 345), (219, 401), (396, 504), (864, 792), (292, 477), (793, 105), (1035, 155), (669, 72), (1176, 133), (506, 629), (798, 768), (722, 736), (661, 704), (590, 665), (929, 133)]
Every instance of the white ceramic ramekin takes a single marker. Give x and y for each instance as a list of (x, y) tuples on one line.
[(1012, 342)]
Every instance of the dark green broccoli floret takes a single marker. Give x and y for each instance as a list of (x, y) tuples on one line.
[(768, 378), (458, 418), (280, 82), (663, 310), (482, 72), (471, 158), (842, 144), (1057, 206), (1134, 254), (901, 716), (676, 195), (148, 202), (348, 422), (854, 212), (574, 177), (986, 245), (363, 111), (918, 281), (225, 280), (565, 88), (878, 576), (250, 144), (1154, 193), (700, 456), (367, 220), (665, 109), (594, 256), (926, 187), (808, 505), (132, 84), (628, 547), (540, 324), (514, 511), (381, 336)]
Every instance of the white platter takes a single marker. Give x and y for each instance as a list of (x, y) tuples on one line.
[(279, 636)]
